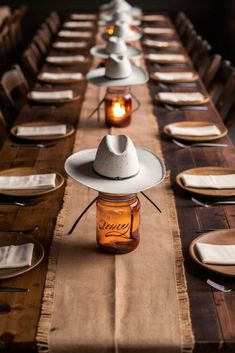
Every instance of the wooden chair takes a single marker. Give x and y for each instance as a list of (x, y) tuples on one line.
[(53, 22), (180, 21), (30, 64), (45, 34), (3, 129), (13, 91), (201, 56), (212, 69), (191, 39), (221, 79), (41, 45), (227, 97)]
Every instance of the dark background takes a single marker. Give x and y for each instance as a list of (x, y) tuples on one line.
[(213, 19)]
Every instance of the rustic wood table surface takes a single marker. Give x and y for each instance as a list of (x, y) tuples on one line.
[(212, 312)]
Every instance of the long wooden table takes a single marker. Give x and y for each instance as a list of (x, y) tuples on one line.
[(212, 312)]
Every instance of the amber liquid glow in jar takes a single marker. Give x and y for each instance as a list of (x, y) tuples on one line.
[(118, 106), (118, 219)]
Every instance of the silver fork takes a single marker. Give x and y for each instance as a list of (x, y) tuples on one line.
[(18, 203), (218, 286), (185, 107), (23, 231), (180, 84), (39, 145), (198, 144), (204, 204)]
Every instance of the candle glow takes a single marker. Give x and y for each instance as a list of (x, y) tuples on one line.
[(118, 109)]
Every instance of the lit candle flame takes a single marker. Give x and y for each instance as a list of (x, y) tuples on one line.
[(110, 30), (118, 109)]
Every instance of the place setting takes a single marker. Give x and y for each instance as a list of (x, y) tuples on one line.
[(174, 101), (18, 254), (60, 77), (74, 34), (78, 24), (29, 182), (158, 31), (70, 45), (66, 60), (155, 18), (162, 44), (215, 251), (167, 58), (83, 17), (208, 181), (52, 96), (41, 132)]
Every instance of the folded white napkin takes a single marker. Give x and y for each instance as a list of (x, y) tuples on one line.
[(41, 130), (65, 59), (80, 24), (184, 97), (74, 34), (216, 254), (151, 18), (166, 58), (153, 30), (174, 76), (208, 130), (226, 181), (73, 76), (34, 181), (82, 16), (52, 95), (161, 43), (69, 45), (15, 256)]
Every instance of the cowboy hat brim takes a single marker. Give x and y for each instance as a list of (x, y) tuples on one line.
[(138, 76), (80, 167), (101, 52), (132, 37)]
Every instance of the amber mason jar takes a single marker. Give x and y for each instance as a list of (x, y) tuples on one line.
[(118, 106), (118, 218)]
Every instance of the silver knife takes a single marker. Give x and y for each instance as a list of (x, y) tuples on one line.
[(13, 289)]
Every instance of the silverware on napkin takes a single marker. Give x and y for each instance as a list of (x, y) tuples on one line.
[(185, 107), (214, 203)]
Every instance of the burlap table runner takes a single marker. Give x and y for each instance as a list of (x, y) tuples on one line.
[(135, 302)]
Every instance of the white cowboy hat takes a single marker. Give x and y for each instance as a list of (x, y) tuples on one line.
[(116, 167), (117, 46), (121, 5), (118, 71), (123, 30), (119, 16)]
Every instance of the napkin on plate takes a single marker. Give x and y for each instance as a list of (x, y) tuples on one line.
[(161, 43), (74, 34), (184, 97), (73, 76), (163, 30), (15, 256), (25, 182), (166, 58), (41, 130), (208, 130), (216, 254), (80, 24), (65, 59), (82, 16), (174, 76), (69, 45), (153, 18), (52, 95), (225, 181)]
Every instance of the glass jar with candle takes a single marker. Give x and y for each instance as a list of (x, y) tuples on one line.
[(118, 218), (118, 106)]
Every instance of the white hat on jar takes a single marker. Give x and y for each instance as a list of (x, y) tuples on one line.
[(116, 166)]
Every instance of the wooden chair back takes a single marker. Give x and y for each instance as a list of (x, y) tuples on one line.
[(13, 91), (30, 64), (212, 69), (220, 80), (227, 97)]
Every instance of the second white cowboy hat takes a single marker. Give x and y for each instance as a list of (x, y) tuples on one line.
[(118, 71), (116, 167), (117, 46), (123, 30), (119, 16), (121, 5)]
